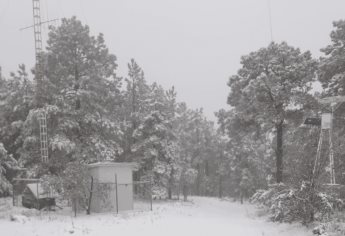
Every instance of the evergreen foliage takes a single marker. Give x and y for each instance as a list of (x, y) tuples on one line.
[(93, 115), (271, 88)]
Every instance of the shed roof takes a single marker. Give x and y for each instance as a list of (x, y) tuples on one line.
[(37, 189), (132, 165)]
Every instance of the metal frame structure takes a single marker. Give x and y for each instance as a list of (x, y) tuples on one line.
[(36, 7), (333, 102), (323, 133), (331, 151), (43, 136), (42, 118)]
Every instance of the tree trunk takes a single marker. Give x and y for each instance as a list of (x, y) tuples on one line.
[(185, 192), (76, 87), (88, 211), (220, 193), (169, 192), (198, 181), (171, 184), (207, 169), (279, 153), (74, 202)]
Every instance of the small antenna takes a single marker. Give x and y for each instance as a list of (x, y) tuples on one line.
[(270, 19), (42, 22)]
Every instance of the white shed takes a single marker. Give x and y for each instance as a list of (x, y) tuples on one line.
[(113, 186)]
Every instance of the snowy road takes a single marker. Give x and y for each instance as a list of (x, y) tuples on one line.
[(206, 216)]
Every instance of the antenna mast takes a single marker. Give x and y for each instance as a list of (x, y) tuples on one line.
[(42, 118), (270, 19), (36, 6)]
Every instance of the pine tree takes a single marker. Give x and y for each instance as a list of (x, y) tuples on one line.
[(331, 71), (15, 102), (331, 74), (271, 87), (82, 92), (156, 147), (135, 106), (173, 164), (7, 163)]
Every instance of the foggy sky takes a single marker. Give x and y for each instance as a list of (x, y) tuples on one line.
[(194, 45)]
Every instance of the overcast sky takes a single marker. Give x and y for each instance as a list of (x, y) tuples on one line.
[(194, 45)]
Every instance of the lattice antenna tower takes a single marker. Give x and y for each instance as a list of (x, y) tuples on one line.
[(42, 118)]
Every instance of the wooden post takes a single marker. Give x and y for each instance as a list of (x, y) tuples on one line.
[(185, 191), (75, 206), (179, 190), (14, 188), (38, 197), (117, 201), (151, 193), (220, 193)]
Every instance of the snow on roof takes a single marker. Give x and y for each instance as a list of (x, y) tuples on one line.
[(132, 165), (37, 189)]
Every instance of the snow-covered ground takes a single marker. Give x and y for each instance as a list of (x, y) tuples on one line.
[(202, 216)]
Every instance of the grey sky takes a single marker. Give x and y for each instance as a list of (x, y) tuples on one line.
[(192, 44)]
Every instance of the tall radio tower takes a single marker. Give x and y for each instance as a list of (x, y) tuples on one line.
[(42, 118)]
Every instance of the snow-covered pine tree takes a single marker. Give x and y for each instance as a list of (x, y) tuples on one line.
[(16, 100), (15, 103), (135, 107), (82, 89), (156, 147), (194, 153), (244, 147), (7, 164), (331, 74), (271, 87), (174, 147), (331, 71)]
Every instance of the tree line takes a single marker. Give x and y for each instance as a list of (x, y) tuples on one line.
[(95, 115), (270, 96)]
